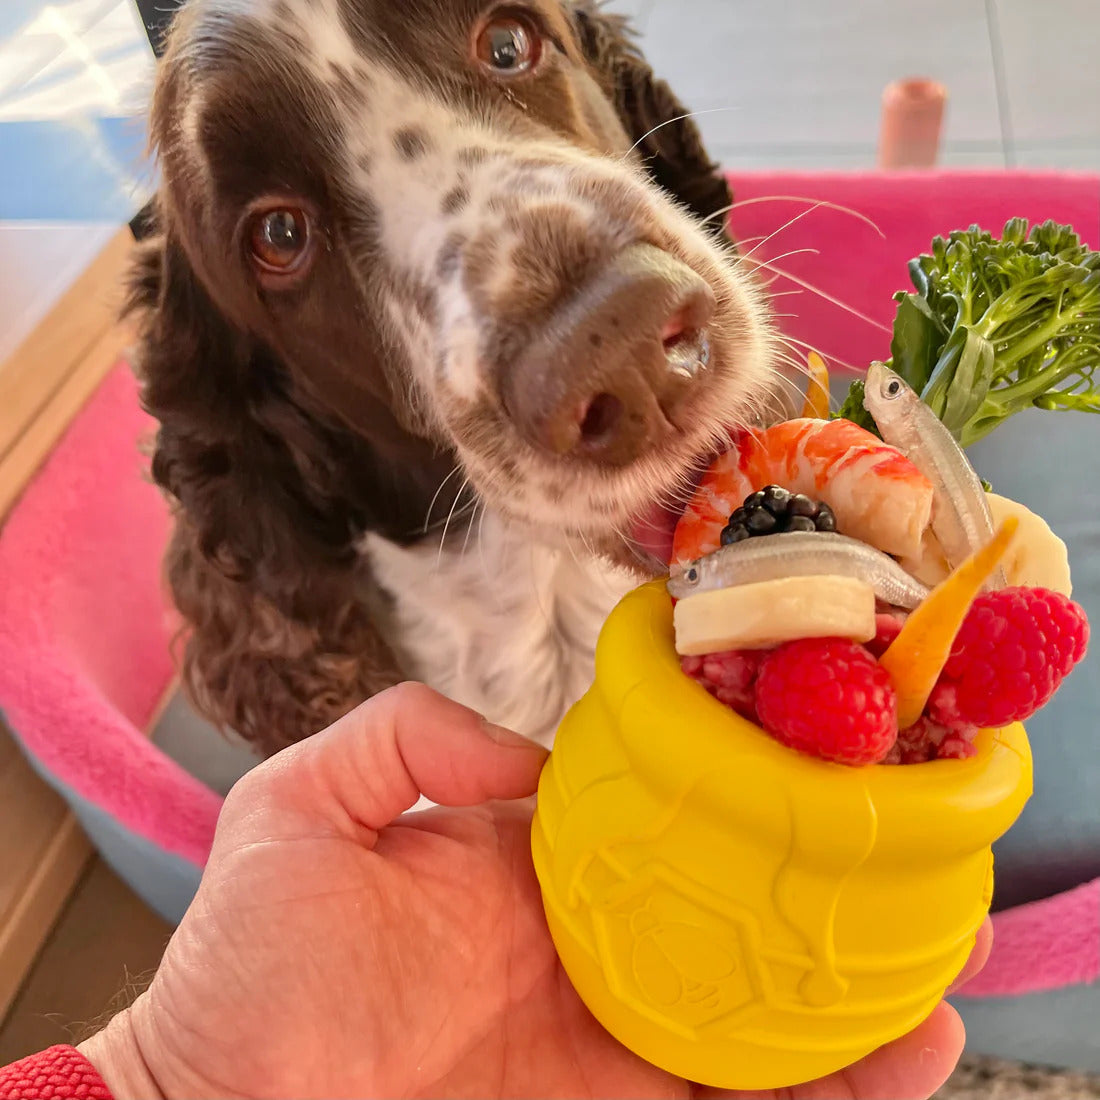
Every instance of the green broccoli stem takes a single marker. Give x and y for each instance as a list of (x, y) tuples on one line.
[(1001, 402), (996, 327), (1039, 338), (1062, 399), (1006, 401)]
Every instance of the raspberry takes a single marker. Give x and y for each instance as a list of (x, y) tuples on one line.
[(829, 698), (943, 706), (927, 740), (956, 747), (887, 628), (1014, 650), (923, 736), (729, 676)]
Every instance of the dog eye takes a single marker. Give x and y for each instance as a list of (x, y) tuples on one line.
[(279, 240), (509, 45)]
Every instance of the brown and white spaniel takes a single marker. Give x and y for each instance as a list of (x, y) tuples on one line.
[(439, 320)]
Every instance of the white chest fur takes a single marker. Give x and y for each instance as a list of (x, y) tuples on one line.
[(505, 624)]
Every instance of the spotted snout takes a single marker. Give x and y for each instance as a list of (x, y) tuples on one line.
[(612, 370)]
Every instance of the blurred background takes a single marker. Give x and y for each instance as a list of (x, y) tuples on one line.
[(783, 84), (799, 83)]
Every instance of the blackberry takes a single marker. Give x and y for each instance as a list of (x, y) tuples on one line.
[(774, 510)]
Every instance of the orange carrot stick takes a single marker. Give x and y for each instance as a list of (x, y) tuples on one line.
[(817, 392), (917, 655)]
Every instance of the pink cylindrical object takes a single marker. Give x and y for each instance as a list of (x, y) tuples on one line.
[(912, 120)]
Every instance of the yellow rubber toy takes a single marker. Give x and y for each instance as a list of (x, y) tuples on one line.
[(737, 913)]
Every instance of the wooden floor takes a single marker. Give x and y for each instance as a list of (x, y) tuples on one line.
[(104, 946)]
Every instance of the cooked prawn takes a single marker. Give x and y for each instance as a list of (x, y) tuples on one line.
[(876, 493)]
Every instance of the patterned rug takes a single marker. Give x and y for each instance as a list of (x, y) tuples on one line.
[(993, 1079)]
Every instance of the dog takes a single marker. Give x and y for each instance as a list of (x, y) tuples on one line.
[(438, 320)]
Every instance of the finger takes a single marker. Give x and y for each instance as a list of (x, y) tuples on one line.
[(910, 1068), (915, 1065), (375, 763), (939, 1027), (983, 945)]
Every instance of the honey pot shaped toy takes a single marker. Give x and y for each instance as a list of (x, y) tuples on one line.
[(764, 836), (740, 914)]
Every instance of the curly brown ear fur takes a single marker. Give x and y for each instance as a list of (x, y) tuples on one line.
[(670, 145), (262, 563), (272, 678)]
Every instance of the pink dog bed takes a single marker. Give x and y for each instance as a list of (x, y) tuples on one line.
[(85, 630)]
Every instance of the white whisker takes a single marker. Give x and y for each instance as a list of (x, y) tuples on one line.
[(768, 266), (828, 358), (786, 255), (453, 515), (435, 498), (794, 362), (679, 118), (789, 382), (572, 551), (750, 240), (818, 203), (775, 233), (481, 540), (450, 516), (469, 528)]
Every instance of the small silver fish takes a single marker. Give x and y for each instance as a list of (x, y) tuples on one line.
[(799, 554), (961, 519)]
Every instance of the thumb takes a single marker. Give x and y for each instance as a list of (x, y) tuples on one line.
[(374, 763)]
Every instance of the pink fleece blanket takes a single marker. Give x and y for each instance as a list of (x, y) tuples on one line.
[(85, 627), (852, 263)]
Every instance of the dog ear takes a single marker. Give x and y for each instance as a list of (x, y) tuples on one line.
[(249, 467), (670, 144), (262, 564)]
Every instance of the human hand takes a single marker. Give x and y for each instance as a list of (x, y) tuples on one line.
[(337, 948)]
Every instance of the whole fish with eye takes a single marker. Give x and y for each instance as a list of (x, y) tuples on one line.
[(799, 554), (961, 519)]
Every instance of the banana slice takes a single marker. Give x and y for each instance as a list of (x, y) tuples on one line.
[(757, 616), (1037, 556)]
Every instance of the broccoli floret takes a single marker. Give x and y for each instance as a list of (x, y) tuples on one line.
[(997, 326), (854, 410)]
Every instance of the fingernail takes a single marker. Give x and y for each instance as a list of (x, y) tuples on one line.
[(504, 736)]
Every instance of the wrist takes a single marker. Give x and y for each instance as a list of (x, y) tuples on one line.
[(116, 1054)]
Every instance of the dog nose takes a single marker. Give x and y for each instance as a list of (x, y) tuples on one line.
[(612, 369)]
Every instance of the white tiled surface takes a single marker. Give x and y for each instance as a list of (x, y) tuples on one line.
[(797, 83), (639, 10), (1076, 157), (1051, 51), (783, 82), (804, 74)]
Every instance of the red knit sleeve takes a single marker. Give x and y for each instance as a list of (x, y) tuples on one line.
[(60, 1073)]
